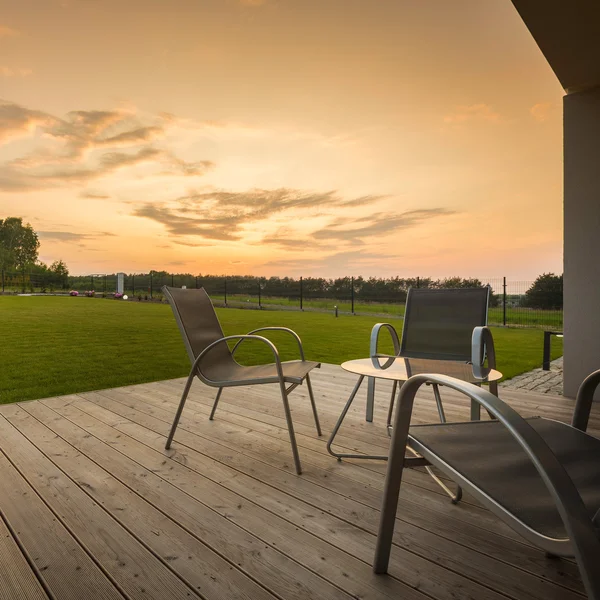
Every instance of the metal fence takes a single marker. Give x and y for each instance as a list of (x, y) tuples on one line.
[(348, 295)]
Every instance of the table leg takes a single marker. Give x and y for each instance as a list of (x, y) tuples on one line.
[(370, 398), (339, 456)]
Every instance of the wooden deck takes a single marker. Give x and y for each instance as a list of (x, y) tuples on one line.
[(92, 505)]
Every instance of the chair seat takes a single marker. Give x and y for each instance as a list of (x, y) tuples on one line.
[(231, 373), (486, 454)]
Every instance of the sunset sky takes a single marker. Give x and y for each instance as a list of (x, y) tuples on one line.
[(282, 137)]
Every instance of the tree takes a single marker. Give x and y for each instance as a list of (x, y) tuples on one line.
[(60, 269), (546, 292), (19, 244)]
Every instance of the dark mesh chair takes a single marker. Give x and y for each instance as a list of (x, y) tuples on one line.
[(214, 364), (540, 476), (440, 324)]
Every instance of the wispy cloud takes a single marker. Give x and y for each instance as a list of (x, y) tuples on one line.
[(12, 72), (473, 112), (220, 215), (380, 224), (6, 31), (70, 237), (542, 111), (94, 196), (86, 145)]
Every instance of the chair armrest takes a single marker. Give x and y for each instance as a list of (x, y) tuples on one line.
[(577, 521), (585, 398), (196, 364), (286, 329), (482, 345), (375, 338)]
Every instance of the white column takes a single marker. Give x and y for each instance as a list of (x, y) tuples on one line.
[(581, 237)]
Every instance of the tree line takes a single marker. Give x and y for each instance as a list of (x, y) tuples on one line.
[(19, 247)]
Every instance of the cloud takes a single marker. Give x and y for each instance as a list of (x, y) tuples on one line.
[(16, 121), (542, 111), (221, 215), (70, 237), (62, 236), (94, 196), (380, 224), (473, 112), (6, 31), (10, 72), (341, 262), (141, 134), (86, 145)]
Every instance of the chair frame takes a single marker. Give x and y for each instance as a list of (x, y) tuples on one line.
[(584, 533), (196, 371)]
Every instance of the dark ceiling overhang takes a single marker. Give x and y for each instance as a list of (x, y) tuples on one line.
[(568, 34)]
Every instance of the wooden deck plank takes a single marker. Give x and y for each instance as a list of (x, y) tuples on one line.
[(412, 513), (89, 475), (17, 580), (413, 569), (203, 569), (214, 519), (137, 571), (61, 562)]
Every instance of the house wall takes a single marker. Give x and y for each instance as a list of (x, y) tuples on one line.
[(581, 237)]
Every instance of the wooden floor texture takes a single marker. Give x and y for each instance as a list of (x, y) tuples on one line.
[(92, 506)]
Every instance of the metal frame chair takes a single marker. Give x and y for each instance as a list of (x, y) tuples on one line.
[(540, 476), (440, 324), (214, 364)]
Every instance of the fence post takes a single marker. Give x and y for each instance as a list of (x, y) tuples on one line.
[(225, 293), (352, 293), (172, 280), (418, 283), (23, 280), (150, 286), (504, 301), (196, 281), (133, 285), (92, 282), (259, 305), (104, 285), (3, 281), (301, 295)]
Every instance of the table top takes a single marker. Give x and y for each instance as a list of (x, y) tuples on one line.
[(399, 369)]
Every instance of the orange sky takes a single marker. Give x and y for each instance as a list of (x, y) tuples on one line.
[(282, 137)]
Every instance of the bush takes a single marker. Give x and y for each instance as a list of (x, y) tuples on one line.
[(546, 292)]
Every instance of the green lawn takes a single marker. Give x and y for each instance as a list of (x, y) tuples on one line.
[(53, 345)]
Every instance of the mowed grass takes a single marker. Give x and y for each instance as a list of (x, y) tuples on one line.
[(53, 346)]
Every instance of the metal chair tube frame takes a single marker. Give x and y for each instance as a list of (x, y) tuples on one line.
[(196, 371), (583, 541)]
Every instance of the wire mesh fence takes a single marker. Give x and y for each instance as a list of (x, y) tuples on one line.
[(512, 302)]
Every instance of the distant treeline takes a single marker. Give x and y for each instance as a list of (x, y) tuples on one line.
[(375, 289)]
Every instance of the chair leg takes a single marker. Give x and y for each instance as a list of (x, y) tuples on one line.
[(314, 406), (290, 425), (184, 396), (391, 408), (214, 408)]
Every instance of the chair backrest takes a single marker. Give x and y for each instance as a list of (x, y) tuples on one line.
[(198, 323), (439, 323)]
